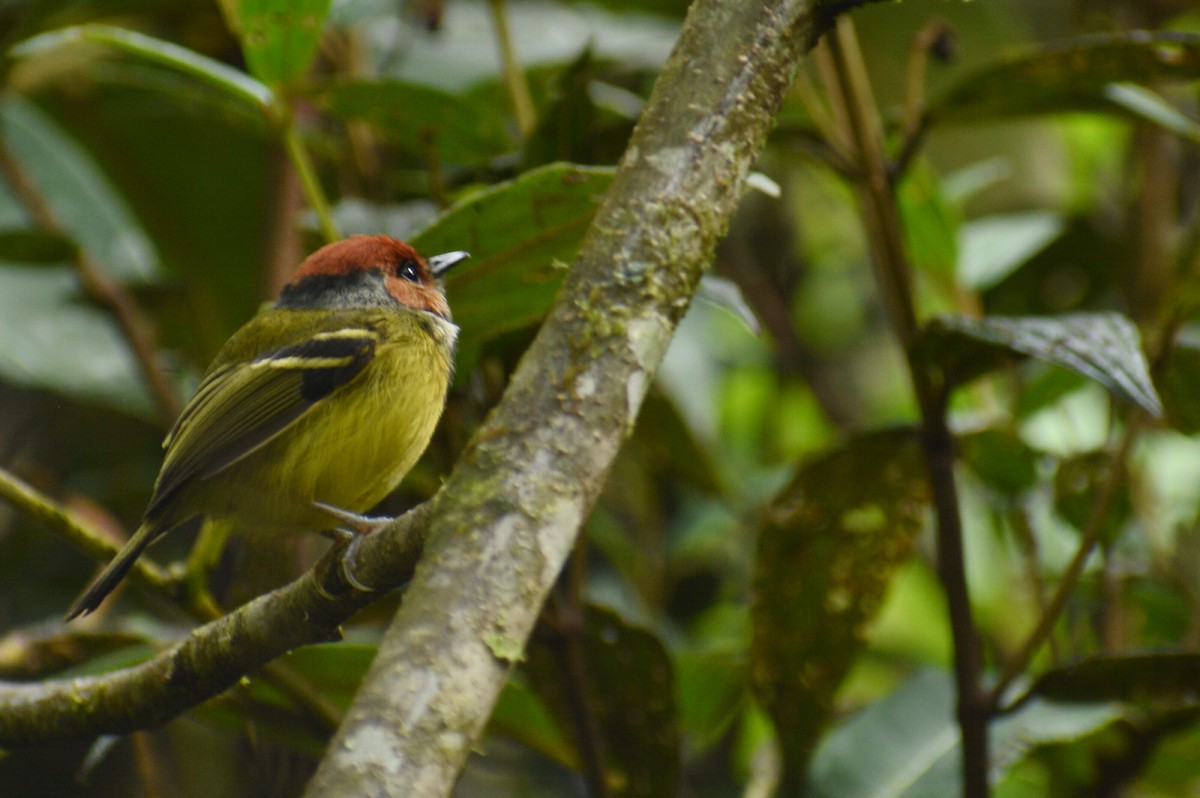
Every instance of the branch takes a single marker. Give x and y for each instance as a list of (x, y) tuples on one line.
[(894, 274), (44, 510), (511, 509), (214, 657)]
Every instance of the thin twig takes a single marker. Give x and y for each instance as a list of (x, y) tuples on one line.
[(514, 77), (570, 625), (893, 273), (49, 513), (136, 328), (1093, 528), (308, 179)]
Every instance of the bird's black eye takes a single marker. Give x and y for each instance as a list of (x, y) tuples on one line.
[(409, 270)]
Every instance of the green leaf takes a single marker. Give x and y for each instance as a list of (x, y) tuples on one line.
[(1078, 482), (726, 294), (904, 745), (1001, 459), (35, 246), (1179, 387), (81, 197), (1104, 347), (207, 69), (1070, 76), (826, 554), (520, 234), (49, 340), (279, 37), (712, 694), (419, 119), (931, 225), (995, 246), (635, 718), (520, 715), (1151, 107), (907, 745), (1172, 676)]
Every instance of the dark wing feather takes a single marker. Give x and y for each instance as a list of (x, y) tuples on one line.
[(242, 406)]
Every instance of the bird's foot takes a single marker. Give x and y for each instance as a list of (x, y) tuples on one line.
[(353, 529)]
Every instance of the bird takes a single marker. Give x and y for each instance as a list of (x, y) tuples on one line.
[(319, 405)]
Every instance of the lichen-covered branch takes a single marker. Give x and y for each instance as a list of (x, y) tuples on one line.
[(509, 514)]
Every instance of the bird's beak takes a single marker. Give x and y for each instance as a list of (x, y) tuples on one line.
[(440, 264)]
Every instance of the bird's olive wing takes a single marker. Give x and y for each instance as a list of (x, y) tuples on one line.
[(242, 406)]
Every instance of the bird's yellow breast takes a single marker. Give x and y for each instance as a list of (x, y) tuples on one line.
[(350, 449)]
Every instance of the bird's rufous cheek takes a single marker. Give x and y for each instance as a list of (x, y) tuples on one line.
[(418, 297)]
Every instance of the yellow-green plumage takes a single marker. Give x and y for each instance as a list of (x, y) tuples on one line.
[(349, 449), (329, 397)]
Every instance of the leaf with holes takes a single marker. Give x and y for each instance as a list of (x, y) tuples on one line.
[(826, 554)]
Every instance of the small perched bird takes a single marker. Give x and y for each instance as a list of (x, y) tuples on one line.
[(328, 398)]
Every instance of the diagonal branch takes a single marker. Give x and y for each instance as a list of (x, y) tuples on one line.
[(510, 511)]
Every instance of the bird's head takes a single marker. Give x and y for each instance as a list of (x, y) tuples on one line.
[(370, 271)]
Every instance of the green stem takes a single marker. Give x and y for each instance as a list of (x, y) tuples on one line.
[(514, 78), (1092, 530), (46, 511), (308, 179)]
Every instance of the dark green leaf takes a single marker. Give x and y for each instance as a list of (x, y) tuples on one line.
[(520, 235), (1105, 347), (280, 37), (421, 120), (1078, 482), (35, 246), (521, 716), (1156, 675), (1001, 459), (826, 555), (1179, 387), (635, 718), (1071, 76)]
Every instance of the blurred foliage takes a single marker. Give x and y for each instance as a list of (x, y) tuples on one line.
[(756, 593)]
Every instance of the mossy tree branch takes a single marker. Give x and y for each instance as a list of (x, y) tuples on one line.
[(510, 511)]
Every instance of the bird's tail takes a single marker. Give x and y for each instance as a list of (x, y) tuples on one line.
[(114, 572)]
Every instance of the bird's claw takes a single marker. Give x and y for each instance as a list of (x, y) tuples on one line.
[(351, 534)]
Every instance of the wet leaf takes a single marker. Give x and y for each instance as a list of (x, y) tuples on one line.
[(826, 554), (1104, 347)]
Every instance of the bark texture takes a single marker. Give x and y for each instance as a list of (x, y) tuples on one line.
[(509, 514)]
